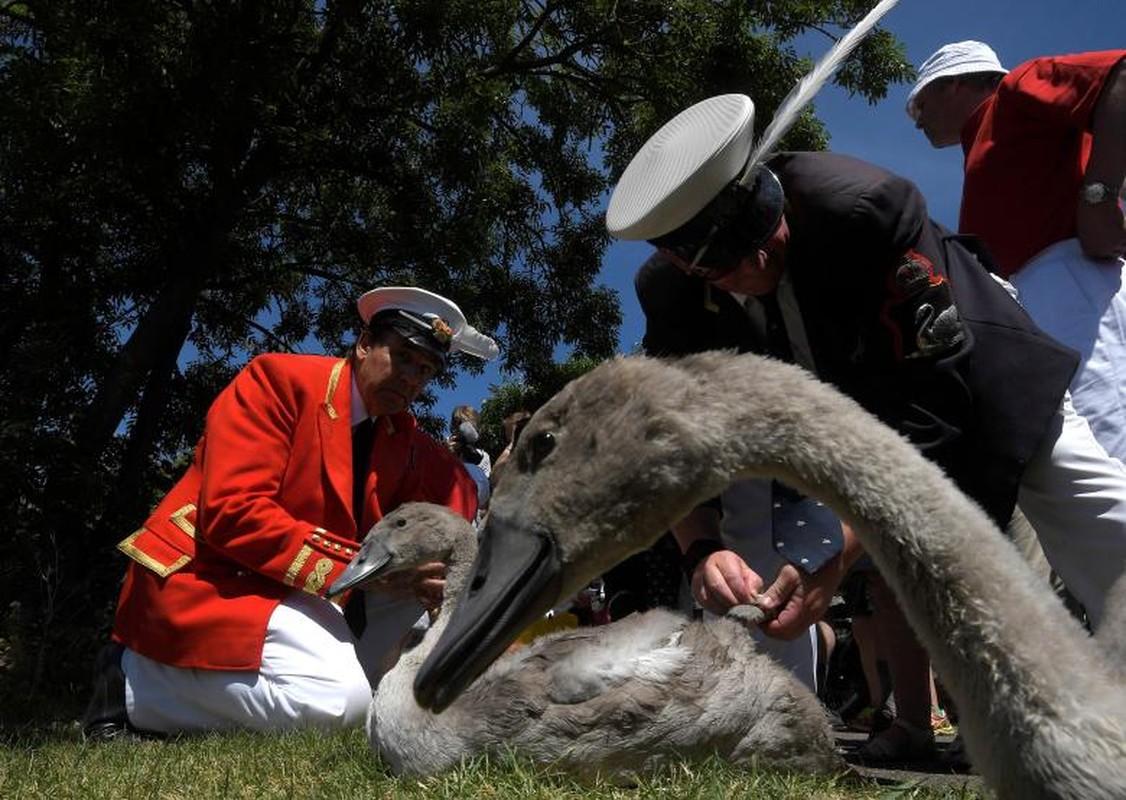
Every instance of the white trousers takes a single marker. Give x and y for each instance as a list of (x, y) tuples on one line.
[(747, 529), (1082, 304), (311, 676), (1074, 495)]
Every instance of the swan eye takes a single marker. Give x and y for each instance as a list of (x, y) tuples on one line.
[(541, 445)]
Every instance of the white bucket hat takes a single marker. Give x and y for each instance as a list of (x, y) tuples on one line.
[(427, 320), (956, 58)]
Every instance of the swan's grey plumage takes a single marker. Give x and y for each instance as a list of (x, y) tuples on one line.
[(612, 700), (620, 454)]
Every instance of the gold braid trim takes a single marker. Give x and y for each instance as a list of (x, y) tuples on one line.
[(333, 381), (127, 547), (179, 518), (316, 580), (298, 562)]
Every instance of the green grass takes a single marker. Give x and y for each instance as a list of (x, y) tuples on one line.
[(55, 764)]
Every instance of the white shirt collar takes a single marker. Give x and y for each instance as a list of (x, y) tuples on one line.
[(359, 413), (791, 314)]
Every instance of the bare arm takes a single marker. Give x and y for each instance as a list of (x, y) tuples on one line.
[(701, 523), (1101, 228)]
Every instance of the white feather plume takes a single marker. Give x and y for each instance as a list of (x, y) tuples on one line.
[(808, 86), (472, 341)]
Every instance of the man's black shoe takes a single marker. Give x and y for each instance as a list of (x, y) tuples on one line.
[(105, 718)]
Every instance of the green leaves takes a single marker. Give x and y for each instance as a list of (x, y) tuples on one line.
[(183, 185)]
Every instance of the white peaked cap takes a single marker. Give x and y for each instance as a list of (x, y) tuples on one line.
[(957, 58), (440, 324), (682, 167)]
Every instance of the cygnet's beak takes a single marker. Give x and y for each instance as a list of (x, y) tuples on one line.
[(366, 565), (515, 581)]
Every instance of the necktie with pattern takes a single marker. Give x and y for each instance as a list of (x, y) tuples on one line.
[(363, 437)]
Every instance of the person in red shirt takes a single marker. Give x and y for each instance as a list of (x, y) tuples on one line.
[(222, 621), (1045, 158)]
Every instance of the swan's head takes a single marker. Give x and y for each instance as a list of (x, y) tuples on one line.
[(410, 536), (600, 472)]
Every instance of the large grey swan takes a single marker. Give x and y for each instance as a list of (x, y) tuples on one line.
[(606, 465), (613, 701)]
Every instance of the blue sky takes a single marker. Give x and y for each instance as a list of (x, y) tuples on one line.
[(1017, 29)]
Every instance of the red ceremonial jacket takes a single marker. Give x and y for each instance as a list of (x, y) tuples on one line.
[(266, 506), (1026, 150)]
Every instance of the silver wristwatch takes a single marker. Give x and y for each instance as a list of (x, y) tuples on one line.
[(1094, 193)]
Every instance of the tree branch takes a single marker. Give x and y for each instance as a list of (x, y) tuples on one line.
[(562, 57), (533, 31)]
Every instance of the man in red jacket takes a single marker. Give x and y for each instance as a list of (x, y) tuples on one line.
[(1045, 158), (222, 621)]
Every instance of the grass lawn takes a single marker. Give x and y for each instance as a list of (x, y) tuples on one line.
[(55, 763)]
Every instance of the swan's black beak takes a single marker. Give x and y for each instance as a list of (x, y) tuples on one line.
[(366, 565), (515, 581)]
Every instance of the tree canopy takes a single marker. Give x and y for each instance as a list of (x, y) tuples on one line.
[(188, 183)]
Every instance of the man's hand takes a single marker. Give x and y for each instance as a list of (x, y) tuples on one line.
[(723, 580), (792, 603), (425, 584), (796, 600)]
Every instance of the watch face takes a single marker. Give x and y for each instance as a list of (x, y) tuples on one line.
[(1096, 192)]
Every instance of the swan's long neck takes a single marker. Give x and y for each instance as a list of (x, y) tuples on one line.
[(406, 736), (459, 564), (1002, 641)]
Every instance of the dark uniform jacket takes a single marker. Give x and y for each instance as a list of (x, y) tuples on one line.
[(871, 273)]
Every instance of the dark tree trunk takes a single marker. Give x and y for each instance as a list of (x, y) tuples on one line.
[(126, 503), (161, 331)]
